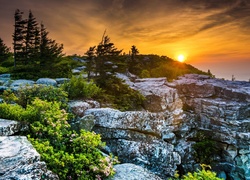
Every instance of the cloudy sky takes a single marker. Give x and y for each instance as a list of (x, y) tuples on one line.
[(211, 34)]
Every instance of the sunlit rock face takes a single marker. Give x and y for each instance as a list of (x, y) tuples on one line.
[(162, 137), (144, 138), (19, 160), (130, 171), (221, 110), (8, 127)]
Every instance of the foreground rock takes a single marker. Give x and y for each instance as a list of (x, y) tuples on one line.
[(220, 110), (129, 171), (141, 138), (8, 127), (19, 160), (162, 137)]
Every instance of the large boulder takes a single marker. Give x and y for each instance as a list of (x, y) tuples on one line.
[(221, 111), (139, 137), (46, 81), (8, 127), (78, 107), (128, 171), (15, 85), (19, 160), (159, 96)]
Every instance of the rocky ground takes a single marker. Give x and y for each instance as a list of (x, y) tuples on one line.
[(160, 139)]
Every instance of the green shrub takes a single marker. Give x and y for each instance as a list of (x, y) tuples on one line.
[(121, 96), (67, 153), (79, 88), (26, 94), (4, 70), (204, 174), (205, 149)]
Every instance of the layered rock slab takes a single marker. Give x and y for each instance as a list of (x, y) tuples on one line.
[(137, 137), (128, 171), (19, 160), (8, 127)]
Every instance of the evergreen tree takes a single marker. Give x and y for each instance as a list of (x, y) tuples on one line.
[(134, 52), (133, 64), (90, 61), (50, 51), (4, 51), (106, 53), (19, 37), (32, 39)]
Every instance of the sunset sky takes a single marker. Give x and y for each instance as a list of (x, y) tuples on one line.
[(211, 34)]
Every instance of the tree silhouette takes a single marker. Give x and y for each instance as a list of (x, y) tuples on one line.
[(50, 51), (4, 51), (32, 39), (19, 36), (106, 54), (90, 61)]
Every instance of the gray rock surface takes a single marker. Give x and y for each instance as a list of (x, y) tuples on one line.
[(19, 160), (128, 171), (78, 107), (21, 82), (8, 127), (220, 110), (46, 81), (175, 113)]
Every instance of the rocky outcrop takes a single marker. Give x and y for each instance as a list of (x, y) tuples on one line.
[(162, 137), (144, 138), (19, 160), (47, 81), (128, 171), (8, 127), (221, 111), (21, 82)]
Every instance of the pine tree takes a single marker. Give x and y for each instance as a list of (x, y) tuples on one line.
[(90, 61), (106, 53), (50, 51), (19, 37), (4, 51), (32, 39), (132, 63), (134, 52)]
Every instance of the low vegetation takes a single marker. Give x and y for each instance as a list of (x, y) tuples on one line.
[(69, 154), (205, 173)]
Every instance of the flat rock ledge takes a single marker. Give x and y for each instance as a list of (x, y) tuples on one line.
[(20, 161), (8, 127), (128, 171)]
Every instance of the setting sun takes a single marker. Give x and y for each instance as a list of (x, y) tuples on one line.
[(181, 58)]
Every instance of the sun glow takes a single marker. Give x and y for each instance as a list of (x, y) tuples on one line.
[(181, 58)]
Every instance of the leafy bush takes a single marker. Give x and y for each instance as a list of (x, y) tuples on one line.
[(205, 149), (78, 87), (68, 154), (199, 175), (26, 94), (121, 96), (16, 112), (4, 70), (202, 174)]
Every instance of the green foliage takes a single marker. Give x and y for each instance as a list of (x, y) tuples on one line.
[(78, 87), (26, 94), (68, 154), (205, 149), (204, 174), (4, 70), (145, 74), (160, 67), (121, 95)]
